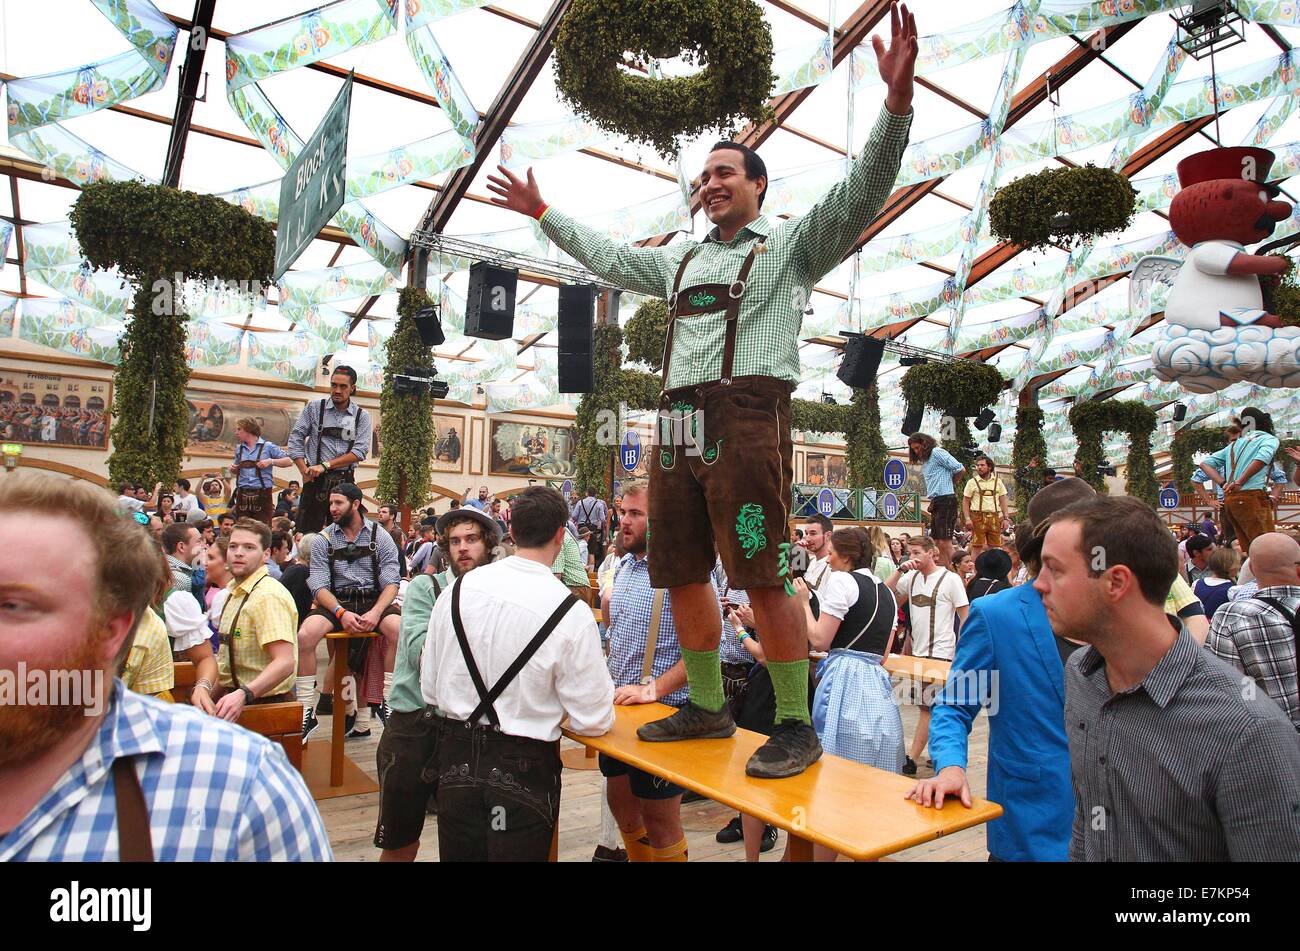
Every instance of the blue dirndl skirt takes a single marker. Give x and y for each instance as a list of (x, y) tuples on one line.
[(854, 711)]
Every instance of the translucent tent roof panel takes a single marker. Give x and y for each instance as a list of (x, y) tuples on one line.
[(584, 184)]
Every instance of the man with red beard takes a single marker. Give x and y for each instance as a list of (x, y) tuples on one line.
[(408, 744), (96, 772)]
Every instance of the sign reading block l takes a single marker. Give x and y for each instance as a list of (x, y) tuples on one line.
[(311, 192)]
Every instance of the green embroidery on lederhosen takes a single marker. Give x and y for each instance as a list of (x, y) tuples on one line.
[(710, 455), (667, 438), (701, 299), (750, 522), (783, 568)]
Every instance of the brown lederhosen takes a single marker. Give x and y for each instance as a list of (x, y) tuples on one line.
[(253, 503), (1248, 511), (986, 526), (743, 420)]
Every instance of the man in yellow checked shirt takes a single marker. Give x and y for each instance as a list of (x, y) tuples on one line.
[(259, 628)]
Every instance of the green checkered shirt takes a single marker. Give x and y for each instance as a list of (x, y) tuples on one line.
[(568, 564), (800, 252)]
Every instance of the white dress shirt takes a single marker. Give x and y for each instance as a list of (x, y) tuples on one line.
[(502, 605), (186, 621)]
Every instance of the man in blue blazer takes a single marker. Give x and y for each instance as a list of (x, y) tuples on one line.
[(1009, 658)]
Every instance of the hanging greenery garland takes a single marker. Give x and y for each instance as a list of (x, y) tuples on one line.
[(406, 422), (729, 39), (646, 332), (958, 388), (1028, 446), (1062, 204), (1091, 420), (155, 236)]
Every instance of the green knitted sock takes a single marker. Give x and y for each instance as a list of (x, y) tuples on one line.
[(704, 675), (790, 684)]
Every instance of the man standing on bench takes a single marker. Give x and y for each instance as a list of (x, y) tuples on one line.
[(728, 371), (335, 435), (354, 579), (255, 657), (514, 626)]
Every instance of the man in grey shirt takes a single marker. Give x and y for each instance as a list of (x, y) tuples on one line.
[(1171, 758), (354, 578), (330, 438)]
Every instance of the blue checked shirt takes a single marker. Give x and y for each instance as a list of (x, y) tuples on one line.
[(629, 628), (353, 575), (730, 650), (215, 793), (255, 478)]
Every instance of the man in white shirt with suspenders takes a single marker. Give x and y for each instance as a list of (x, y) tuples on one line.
[(511, 625), (939, 608)]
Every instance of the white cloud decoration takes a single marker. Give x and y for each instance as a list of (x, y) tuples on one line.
[(1204, 361)]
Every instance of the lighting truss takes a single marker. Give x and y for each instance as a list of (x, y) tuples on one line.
[(435, 244)]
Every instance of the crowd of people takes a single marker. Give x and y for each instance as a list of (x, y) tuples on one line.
[(248, 603)]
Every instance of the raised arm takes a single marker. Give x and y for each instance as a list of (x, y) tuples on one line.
[(828, 231), (640, 270)]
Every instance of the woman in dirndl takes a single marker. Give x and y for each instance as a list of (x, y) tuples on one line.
[(854, 710)]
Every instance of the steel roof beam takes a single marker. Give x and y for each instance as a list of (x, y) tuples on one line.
[(186, 96)]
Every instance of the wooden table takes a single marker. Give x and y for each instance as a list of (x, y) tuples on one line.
[(326, 770), (858, 811)]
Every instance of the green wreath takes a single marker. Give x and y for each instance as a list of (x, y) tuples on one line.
[(958, 389), (1062, 204), (728, 38)]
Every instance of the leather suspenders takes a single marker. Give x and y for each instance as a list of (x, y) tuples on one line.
[(134, 837)]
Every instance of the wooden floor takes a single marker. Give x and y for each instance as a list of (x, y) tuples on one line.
[(351, 821)]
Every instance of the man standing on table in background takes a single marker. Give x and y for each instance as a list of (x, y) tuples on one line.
[(334, 434), (253, 484), (729, 368)]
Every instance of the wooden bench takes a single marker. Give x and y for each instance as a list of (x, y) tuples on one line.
[(278, 722), (328, 772), (855, 810), (185, 676), (922, 669)]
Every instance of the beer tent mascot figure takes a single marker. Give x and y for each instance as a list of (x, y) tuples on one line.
[(736, 302)]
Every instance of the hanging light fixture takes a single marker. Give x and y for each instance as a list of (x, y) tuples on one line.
[(1206, 27)]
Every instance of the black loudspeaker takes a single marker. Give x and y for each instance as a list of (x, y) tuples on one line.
[(861, 361), (429, 326), (995, 432), (490, 304), (576, 320), (912, 421)]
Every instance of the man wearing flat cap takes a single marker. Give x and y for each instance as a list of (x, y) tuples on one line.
[(354, 578), (1009, 659)]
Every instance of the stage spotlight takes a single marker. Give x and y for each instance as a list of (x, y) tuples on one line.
[(912, 421), (995, 432), (1180, 412), (984, 418), (429, 324), (829, 400), (911, 361)]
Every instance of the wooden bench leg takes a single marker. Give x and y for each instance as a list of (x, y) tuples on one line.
[(340, 714)]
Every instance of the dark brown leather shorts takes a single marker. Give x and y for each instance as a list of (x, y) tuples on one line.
[(720, 477)]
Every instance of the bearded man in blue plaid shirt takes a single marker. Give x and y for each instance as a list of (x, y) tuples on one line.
[(92, 772), (731, 359)]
